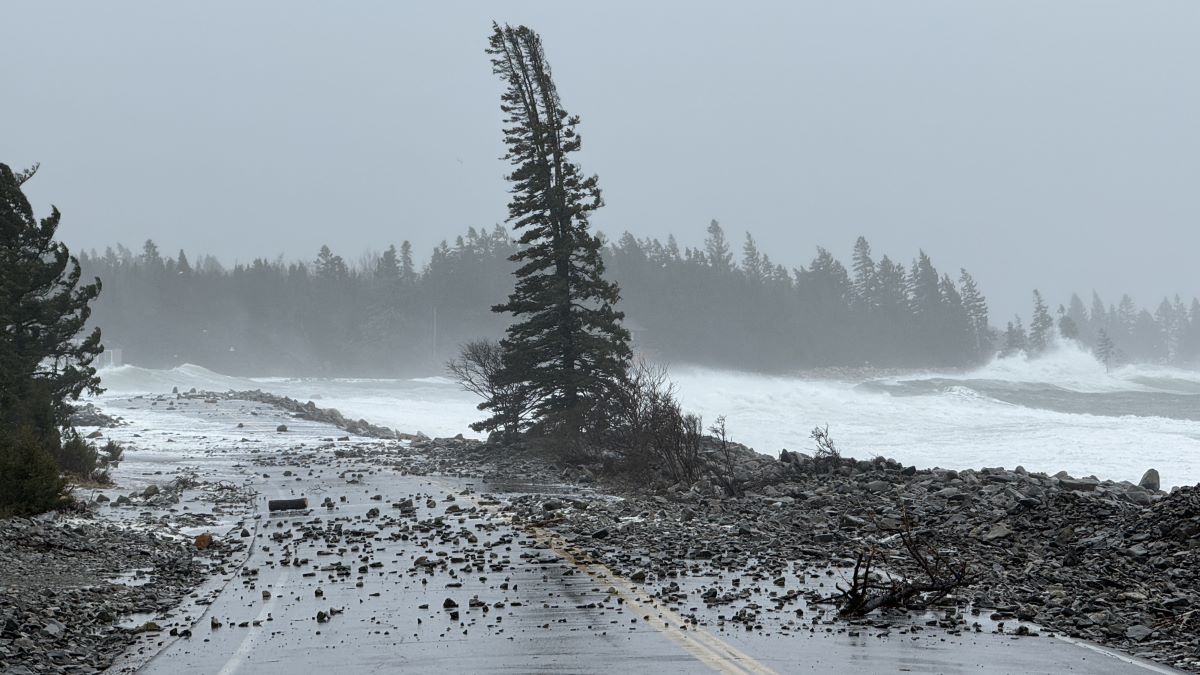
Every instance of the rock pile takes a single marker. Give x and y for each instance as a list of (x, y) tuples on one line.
[(306, 411), (66, 591)]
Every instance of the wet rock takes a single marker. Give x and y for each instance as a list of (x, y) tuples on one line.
[(1150, 480), (1138, 632), (1079, 485), (281, 428)]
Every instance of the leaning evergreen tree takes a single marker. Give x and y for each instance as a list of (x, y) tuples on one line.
[(43, 308), (1041, 327), (43, 366), (567, 348)]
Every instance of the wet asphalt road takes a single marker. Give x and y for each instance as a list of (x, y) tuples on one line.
[(369, 584)]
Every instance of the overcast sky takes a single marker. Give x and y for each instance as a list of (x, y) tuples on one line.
[(1039, 144)]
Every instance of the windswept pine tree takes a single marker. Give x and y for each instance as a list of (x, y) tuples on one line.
[(566, 347), (43, 307), (865, 281), (43, 366), (977, 313), (1041, 327)]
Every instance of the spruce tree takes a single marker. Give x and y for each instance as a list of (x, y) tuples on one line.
[(865, 283), (717, 249), (43, 308), (752, 261), (1014, 338), (1105, 350), (1041, 327), (566, 348), (977, 312)]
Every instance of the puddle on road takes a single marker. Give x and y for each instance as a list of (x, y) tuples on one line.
[(135, 620), (133, 578)]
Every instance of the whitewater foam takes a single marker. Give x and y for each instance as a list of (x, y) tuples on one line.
[(949, 423)]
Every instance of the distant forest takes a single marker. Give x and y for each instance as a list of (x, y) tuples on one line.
[(382, 315), (1117, 333)]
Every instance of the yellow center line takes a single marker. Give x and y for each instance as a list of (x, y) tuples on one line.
[(697, 641), (704, 645)]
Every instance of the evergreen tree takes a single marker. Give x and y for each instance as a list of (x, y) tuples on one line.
[(977, 313), (387, 268), (672, 247), (1014, 338), (43, 367), (567, 347), (1066, 325), (925, 287), (408, 273), (864, 274), (43, 307), (752, 261), (1041, 327), (329, 266), (1105, 350), (184, 267), (717, 250)]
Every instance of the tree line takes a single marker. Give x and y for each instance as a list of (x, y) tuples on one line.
[(1117, 333), (382, 314)]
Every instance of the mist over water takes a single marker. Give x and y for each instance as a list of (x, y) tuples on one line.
[(1061, 411)]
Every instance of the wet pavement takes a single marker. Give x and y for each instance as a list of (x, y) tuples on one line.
[(393, 572)]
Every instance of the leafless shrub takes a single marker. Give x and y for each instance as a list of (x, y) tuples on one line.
[(826, 457), (727, 473), (477, 368), (648, 426)]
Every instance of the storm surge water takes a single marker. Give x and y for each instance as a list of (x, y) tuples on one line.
[(1061, 411)]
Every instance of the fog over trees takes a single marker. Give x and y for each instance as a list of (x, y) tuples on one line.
[(380, 314)]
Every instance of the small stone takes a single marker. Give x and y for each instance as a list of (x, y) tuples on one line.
[(1138, 632), (449, 603), (281, 428)]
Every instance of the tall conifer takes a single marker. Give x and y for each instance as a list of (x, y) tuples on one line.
[(566, 347)]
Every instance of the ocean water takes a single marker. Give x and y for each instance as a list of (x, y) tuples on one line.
[(1061, 411)]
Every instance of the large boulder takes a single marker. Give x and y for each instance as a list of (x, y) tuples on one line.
[(1150, 480)]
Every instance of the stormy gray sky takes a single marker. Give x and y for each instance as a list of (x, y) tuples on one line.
[(1051, 145)]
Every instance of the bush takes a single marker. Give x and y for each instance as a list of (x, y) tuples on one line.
[(648, 427), (30, 482), (76, 457)]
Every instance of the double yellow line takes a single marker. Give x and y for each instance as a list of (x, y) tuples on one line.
[(700, 643), (706, 647)]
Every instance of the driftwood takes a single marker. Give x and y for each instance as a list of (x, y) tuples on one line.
[(938, 577), (287, 504)]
